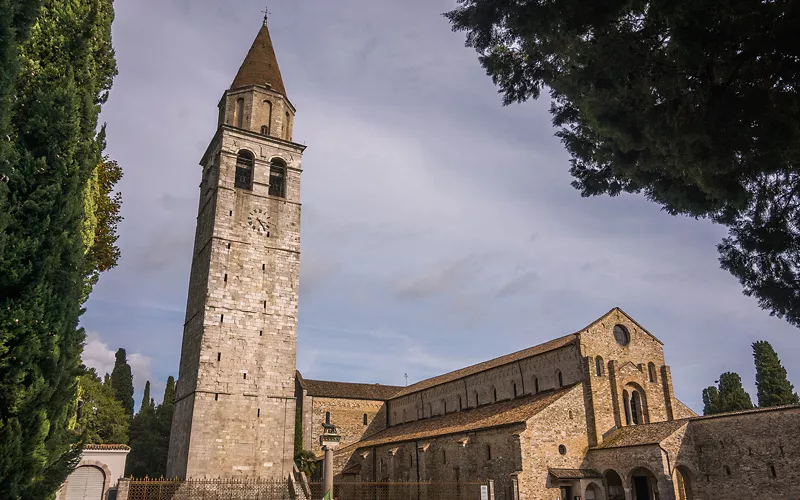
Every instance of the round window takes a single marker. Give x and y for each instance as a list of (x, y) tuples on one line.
[(562, 449), (621, 335)]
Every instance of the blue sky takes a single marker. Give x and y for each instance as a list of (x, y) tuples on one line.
[(439, 228)]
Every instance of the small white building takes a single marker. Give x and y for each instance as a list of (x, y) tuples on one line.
[(97, 474)]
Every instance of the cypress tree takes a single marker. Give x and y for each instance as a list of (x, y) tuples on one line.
[(774, 388), (122, 381), (64, 64), (146, 397), (729, 396), (150, 433)]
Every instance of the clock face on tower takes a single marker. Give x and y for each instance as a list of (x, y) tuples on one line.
[(258, 221)]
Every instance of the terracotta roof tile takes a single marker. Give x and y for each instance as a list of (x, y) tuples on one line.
[(347, 390), (260, 67), (487, 365), (638, 435), (574, 473), (98, 447), (483, 417)]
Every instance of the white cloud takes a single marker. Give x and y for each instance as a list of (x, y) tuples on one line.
[(97, 355)]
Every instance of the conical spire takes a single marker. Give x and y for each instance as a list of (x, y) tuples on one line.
[(260, 67)]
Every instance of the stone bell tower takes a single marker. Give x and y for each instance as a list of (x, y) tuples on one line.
[(234, 404)]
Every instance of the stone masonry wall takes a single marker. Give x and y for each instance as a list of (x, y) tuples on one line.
[(466, 457), (257, 112), (236, 416), (527, 375), (348, 417), (623, 367), (736, 455), (561, 423)]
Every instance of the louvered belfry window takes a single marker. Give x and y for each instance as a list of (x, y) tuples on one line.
[(244, 170), (277, 178)]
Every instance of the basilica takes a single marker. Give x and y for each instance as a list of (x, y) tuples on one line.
[(590, 415)]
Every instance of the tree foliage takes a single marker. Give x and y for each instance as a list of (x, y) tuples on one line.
[(56, 68), (150, 433), (693, 103), (729, 396), (102, 207), (101, 418), (122, 381), (774, 388)]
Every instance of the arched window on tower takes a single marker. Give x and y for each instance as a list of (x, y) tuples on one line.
[(444, 407), (460, 404), (514, 388), (244, 170), (365, 418), (494, 395), (277, 178), (626, 402), (560, 379), (636, 408), (651, 369), (238, 113), (268, 115), (286, 133), (477, 400), (598, 366), (535, 385)]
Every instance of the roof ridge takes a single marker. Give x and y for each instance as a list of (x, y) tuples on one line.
[(411, 388), (746, 412)]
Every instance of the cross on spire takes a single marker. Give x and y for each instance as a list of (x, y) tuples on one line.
[(266, 13)]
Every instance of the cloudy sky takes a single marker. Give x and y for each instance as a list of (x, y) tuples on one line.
[(439, 227)]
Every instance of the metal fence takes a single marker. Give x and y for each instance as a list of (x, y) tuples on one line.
[(209, 489), (400, 491), (266, 489)]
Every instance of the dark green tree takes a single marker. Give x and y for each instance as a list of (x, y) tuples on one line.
[(56, 67), (122, 381), (729, 396), (711, 401), (694, 104), (774, 388), (150, 433), (146, 396), (100, 418)]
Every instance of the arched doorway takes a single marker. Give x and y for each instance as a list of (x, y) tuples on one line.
[(86, 483), (644, 485), (592, 492), (683, 483), (613, 483)]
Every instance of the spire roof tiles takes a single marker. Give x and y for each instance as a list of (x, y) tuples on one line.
[(260, 67)]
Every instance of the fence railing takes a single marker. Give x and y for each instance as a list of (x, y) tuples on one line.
[(207, 489), (268, 489), (358, 490)]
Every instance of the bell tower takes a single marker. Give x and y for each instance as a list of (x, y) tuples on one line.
[(234, 403)]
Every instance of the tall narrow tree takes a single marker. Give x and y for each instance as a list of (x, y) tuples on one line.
[(50, 147), (122, 381), (774, 388), (146, 396)]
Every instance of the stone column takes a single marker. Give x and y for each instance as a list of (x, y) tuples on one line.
[(327, 469), (122, 488)]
